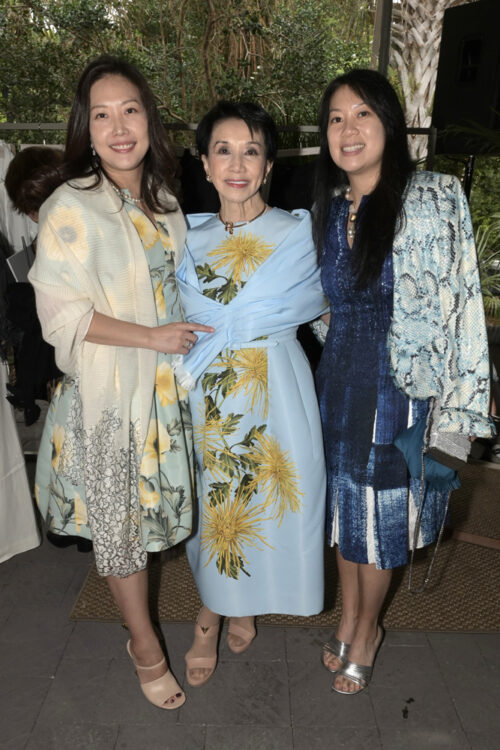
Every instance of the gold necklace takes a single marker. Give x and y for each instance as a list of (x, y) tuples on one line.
[(230, 226)]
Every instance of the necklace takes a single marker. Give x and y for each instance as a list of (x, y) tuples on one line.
[(124, 195), (230, 226), (351, 221)]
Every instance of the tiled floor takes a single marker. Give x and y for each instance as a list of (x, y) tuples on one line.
[(70, 686)]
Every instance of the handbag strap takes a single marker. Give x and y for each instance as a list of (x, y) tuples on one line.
[(418, 522)]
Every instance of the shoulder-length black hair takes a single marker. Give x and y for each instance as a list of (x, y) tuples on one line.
[(255, 117), (159, 162), (383, 213)]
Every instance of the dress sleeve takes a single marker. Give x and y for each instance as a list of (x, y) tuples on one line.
[(61, 283), (466, 382)]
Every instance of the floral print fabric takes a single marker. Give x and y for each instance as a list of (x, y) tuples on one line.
[(127, 500), (259, 535)]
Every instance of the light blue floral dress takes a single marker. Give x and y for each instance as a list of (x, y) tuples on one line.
[(144, 501), (258, 541)]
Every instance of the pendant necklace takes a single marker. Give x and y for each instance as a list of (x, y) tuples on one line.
[(351, 221), (230, 226)]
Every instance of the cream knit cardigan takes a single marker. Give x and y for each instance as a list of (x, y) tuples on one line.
[(90, 258)]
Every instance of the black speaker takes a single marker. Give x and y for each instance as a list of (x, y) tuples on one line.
[(468, 77)]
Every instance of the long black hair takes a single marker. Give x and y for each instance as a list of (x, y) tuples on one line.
[(383, 213), (159, 162)]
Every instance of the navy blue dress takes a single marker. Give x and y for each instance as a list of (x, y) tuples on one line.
[(372, 501)]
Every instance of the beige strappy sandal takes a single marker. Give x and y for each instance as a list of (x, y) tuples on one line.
[(246, 636), (163, 689), (204, 634)]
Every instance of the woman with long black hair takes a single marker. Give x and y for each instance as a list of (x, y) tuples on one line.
[(115, 462), (398, 265)]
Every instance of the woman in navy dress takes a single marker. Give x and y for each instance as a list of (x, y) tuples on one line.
[(384, 218)]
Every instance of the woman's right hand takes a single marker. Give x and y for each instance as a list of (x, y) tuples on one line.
[(176, 338)]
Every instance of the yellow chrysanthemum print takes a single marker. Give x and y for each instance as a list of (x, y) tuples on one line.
[(156, 446), (68, 225), (164, 441), (251, 367), (149, 497), (149, 462), (210, 439), (145, 228), (161, 308), (166, 240), (167, 388), (240, 255), (80, 512), (277, 477), (229, 527), (57, 444)]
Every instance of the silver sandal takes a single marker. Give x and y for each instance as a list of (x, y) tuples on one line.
[(358, 673), (340, 649)]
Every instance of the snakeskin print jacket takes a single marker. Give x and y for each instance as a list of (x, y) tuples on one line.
[(437, 340)]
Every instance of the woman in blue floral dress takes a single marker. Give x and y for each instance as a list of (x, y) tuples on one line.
[(115, 462), (251, 272), (399, 268)]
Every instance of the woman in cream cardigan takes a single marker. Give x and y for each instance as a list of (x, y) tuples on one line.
[(115, 463)]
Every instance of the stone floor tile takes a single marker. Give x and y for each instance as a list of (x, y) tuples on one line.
[(5, 607), (76, 693), (72, 592), (424, 737), (43, 585), (404, 665), (20, 703), (241, 693), (483, 740), (341, 738), (248, 738), (411, 702), (475, 692), (163, 736), (489, 647), (96, 640), (314, 704), (73, 737), (404, 638), (6, 570), (32, 642), (305, 644), (16, 743), (46, 553)]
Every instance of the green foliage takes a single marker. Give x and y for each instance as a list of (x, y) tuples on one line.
[(488, 255), (279, 52)]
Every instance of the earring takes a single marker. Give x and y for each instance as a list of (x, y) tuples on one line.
[(264, 180), (209, 179), (95, 157)]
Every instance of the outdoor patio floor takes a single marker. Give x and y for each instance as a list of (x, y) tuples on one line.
[(69, 685)]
